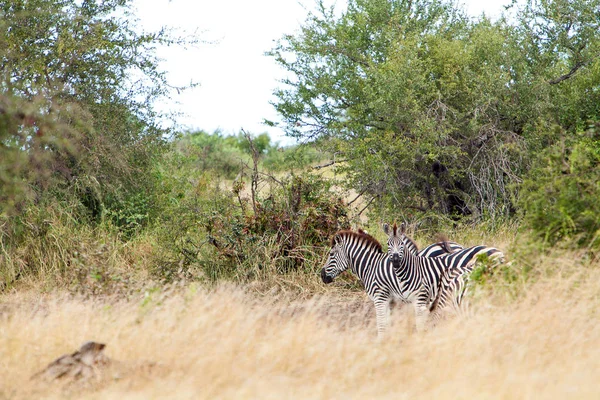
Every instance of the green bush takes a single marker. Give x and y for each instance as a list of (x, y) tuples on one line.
[(212, 152), (432, 110), (210, 228), (48, 243), (560, 197), (293, 158)]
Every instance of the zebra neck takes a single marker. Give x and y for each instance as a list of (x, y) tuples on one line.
[(364, 260), (406, 265)]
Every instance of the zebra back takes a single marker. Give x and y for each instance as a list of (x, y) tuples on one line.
[(459, 265)]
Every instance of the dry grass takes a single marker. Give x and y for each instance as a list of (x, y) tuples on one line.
[(230, 342)]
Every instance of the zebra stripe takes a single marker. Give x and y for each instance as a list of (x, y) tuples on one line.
[(453, 284), (363, 255), (433, 250), (440, 248), (432, 279)]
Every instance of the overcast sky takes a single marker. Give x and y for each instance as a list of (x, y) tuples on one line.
[(236, 78)]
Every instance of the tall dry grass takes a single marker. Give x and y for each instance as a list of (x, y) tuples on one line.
[(230, 342)]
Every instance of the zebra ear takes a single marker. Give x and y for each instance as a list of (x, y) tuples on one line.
[(335, 240), (403, 228), (386, 228)]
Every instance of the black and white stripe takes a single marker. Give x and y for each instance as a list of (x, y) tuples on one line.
[(440, 248), (433, 250), (453, 285), (363, 255), (432, 280)]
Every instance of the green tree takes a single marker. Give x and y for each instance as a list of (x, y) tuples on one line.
[(262, 143), (560, 198), (78, 81), (431, 110)]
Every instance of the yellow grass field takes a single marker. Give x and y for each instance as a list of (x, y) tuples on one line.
[(231, 343)]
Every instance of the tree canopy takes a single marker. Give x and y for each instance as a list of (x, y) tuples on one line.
[(432, 110), (77, 85)]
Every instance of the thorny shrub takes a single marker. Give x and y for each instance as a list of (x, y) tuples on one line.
[(294, 218)]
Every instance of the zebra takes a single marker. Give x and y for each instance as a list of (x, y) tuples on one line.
[(432, 280), (363, 254), (443, 246)]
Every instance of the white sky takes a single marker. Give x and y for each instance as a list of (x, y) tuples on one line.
[(236, 79)]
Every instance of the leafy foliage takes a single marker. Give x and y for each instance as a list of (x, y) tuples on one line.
[(211, 227), (226, 155), (431, 114), (434, 111), (78, 132), (77, 86), (560, 200)]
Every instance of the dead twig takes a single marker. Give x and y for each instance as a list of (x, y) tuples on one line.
[(358, 196), (255, 173), (330, 163), (365, 207)]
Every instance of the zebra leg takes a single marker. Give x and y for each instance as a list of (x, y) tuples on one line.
[(441, 300), (421, 311), (382, 310), (463, 308)]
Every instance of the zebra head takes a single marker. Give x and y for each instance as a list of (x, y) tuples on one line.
[(397, 242), (337, 261)]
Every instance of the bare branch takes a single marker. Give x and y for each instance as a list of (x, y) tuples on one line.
[(358, 195), (330, 163), (365, 207), (273, 179), (254, 182)]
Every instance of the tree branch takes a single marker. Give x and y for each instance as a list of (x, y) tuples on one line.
[(325, 165), (358, 195), (569, 74), (254, 182), (365, 207)]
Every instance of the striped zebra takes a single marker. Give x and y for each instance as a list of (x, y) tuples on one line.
[(363, 255), (432, 280), (443, 246)]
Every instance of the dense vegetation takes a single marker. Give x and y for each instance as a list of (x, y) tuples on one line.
[(423, 113), (433, 111)]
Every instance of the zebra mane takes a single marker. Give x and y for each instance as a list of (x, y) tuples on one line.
[(362, 235)]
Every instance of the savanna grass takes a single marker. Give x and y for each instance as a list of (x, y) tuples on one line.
[(229, 342)]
